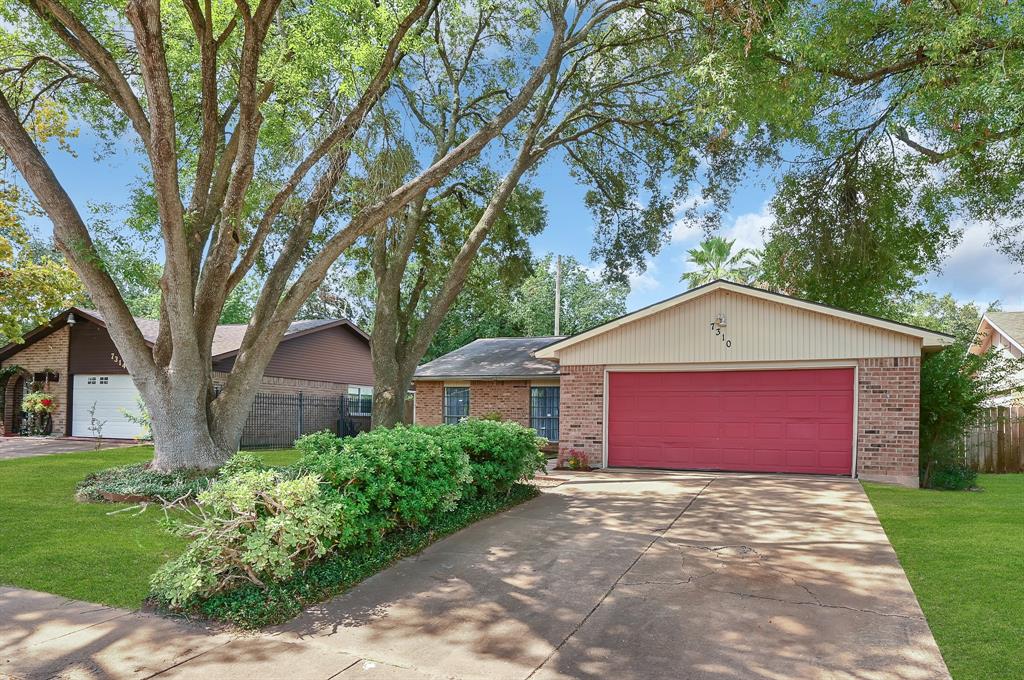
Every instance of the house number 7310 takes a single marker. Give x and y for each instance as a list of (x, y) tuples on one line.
[(717, 329)]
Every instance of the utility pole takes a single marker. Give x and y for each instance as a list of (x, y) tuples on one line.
[(558, 294)]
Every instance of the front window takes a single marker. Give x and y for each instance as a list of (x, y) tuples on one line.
[(456, 404), (360, 400), (544, 411)]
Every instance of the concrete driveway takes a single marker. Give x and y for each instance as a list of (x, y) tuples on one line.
[(24, 447), (610, 575)]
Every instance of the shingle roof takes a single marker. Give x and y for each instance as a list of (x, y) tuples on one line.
[(1011, 323), (493, 358), (227, 338)]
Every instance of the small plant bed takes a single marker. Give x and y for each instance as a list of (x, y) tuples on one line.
[(250, 606), (963, 551), (138, 483), (573, 460)]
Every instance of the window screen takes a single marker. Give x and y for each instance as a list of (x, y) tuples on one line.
[(544, 411), (456, 404)]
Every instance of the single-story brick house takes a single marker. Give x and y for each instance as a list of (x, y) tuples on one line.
[(721, 377), (75, 360)]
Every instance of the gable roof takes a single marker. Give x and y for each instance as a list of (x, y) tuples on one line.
[(1009, 324), (492, 358), (929, 339), (227, 338)]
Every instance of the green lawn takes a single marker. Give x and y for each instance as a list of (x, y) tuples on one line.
[(964, 555), (50, 542)]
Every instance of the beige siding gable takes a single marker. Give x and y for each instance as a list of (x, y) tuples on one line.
[(756, 329)]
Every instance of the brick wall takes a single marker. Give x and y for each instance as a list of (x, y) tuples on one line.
[(581, 425), (509, 399), (49, 353), (274, 385), (888, 408)]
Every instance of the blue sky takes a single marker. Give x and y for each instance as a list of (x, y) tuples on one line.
[(973, 271)]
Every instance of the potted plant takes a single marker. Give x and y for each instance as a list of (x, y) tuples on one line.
[(39, 406)]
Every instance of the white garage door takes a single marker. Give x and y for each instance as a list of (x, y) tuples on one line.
[(112, 395)]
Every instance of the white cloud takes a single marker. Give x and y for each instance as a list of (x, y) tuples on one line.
[(976, 271), (748, 229), (646, 280)]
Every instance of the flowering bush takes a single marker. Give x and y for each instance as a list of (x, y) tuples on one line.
[(38, 402), (573, 459)]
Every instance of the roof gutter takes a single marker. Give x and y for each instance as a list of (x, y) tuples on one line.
[(482, 378)]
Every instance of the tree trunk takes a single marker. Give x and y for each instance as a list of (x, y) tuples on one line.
[(183, 441), (188, 432), (389, 402), (391, 381)]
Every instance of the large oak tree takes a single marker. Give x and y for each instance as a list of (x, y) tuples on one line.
[(255, 120), (246, 116)]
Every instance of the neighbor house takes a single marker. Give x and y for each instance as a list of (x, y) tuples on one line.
[(722, 377), (74, 359), (1003, 332)]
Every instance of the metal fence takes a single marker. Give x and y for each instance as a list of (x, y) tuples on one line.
[(277, 420), (996, 442)]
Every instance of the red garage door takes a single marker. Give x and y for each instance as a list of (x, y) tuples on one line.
[(757, 421)]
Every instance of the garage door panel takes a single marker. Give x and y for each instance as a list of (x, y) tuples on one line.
[(768, 420), (107, 398)]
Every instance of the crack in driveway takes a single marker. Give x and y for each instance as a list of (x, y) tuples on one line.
[(817, 603)]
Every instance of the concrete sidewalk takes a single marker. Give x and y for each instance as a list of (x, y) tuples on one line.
[(610, 575)]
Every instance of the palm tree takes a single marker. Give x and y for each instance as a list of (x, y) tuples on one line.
[(715, 259)]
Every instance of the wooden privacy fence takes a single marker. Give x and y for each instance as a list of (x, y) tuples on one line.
[(996, 442)]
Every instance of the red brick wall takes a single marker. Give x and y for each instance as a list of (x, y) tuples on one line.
[(50, 352), (429, 397), (509, 399), (888, 408), (581, 416)]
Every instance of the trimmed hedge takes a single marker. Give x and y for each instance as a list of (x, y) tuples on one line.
[(362, 498), (250, 607), (387, 478), (500, 453)]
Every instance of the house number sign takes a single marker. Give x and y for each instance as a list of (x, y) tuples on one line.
[(718, 328), (117, 360)]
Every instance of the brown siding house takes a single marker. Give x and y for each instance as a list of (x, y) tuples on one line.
[(325, 359)]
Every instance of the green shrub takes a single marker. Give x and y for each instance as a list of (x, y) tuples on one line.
[(241, 462), (389, 478), (947, 469), (250, 606), (256, 526), (138, 482), (500, 453), (318, 443)]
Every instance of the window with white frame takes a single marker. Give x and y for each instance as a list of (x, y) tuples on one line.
[(360, 400), (544, 411), (456, 404)]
